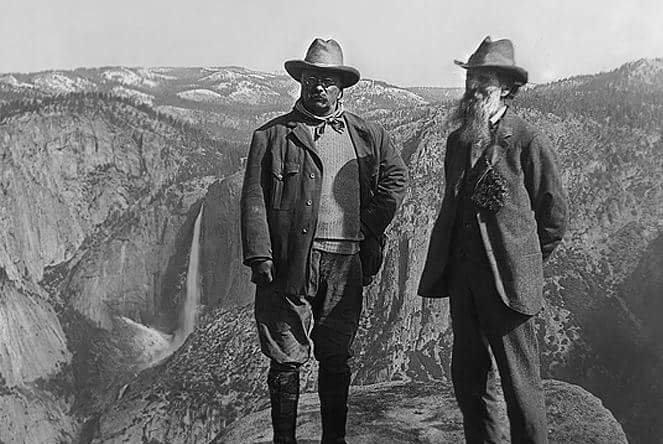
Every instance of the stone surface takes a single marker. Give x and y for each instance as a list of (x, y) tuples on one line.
[(32, 343), (225, 279), (35, 416), (394, 413)]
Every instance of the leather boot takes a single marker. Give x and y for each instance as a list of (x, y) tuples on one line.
[(284, 395), (333, 392)]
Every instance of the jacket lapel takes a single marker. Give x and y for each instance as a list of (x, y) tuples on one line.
[(502, 138), (297, 130), (367, 153), (459, 163), (359, 135)]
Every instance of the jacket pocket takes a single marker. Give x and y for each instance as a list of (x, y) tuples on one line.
[(284, 186)]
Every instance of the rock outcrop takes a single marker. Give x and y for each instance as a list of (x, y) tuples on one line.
[(33, 357), (33, 343), (225, 279), (36, 416), (213, 389), (215, 377), (399, 412)]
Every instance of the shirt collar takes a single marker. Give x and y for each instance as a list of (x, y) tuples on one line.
[(497, 116)]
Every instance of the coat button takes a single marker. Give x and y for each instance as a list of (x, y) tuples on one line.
[(309, 203), (312, 176), (304, 230)]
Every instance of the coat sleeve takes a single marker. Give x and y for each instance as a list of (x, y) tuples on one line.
[(547, 195), (256, 243), (451, 143), (431, 280), (391, 184)]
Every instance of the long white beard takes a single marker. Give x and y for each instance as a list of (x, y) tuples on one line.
[(473, 113)]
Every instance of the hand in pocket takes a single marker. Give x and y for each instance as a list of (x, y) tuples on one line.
[(370, 253)]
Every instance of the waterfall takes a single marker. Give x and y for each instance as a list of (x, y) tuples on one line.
[(189, 311), (155, 346)]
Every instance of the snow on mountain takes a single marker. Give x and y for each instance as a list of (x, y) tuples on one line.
[(375, 95), (374, 88), (222, 86), (9, 80), (127, 77), (234, 74), (155, 73), (221, 76), (58, 83), (133, 94), (12, 81), (202, 95), (644, 70), (252, 93)]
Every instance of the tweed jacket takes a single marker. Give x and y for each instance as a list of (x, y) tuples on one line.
[(520, 235), (282, 185)]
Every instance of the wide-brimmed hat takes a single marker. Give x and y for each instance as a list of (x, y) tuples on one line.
[(324, 55), (497, 54)]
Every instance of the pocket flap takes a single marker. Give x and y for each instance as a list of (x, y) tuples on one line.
[(291, 168), (288, 169)]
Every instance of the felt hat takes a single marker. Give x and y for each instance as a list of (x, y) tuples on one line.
[(324, 55), (496, 54)]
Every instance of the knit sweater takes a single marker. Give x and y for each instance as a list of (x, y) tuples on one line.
[(338, 229)]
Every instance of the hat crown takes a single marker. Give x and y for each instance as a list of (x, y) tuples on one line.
[(325, 55), (324, 52), (499, 52)]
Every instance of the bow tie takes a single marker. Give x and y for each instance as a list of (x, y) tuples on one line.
[(336, 123)]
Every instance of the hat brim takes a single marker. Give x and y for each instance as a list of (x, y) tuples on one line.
[(349, 75), (520, 74)]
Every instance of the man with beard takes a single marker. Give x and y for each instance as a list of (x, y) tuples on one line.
[(503, 214), (321, 186)]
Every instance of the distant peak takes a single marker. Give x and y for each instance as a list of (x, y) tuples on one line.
[(645, 70)]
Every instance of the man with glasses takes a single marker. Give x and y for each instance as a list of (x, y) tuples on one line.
[(321, 186)]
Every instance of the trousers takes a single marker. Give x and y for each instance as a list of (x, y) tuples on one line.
[(325, 320), (482, 324)]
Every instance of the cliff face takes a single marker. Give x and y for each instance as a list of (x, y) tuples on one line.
[(33, 352), (95, 197), (33, 343), (225, 280)]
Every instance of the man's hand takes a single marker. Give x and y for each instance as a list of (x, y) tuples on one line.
[(262, 272), (370, 253)]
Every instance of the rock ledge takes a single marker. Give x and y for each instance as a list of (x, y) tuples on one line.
[(427, 413)]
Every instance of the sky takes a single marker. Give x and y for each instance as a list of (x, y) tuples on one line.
[(403, 42)]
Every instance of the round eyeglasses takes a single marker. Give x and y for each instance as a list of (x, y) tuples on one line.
[(326, 82)]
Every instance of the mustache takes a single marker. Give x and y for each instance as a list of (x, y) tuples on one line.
[(471, 106), (474, 98)]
